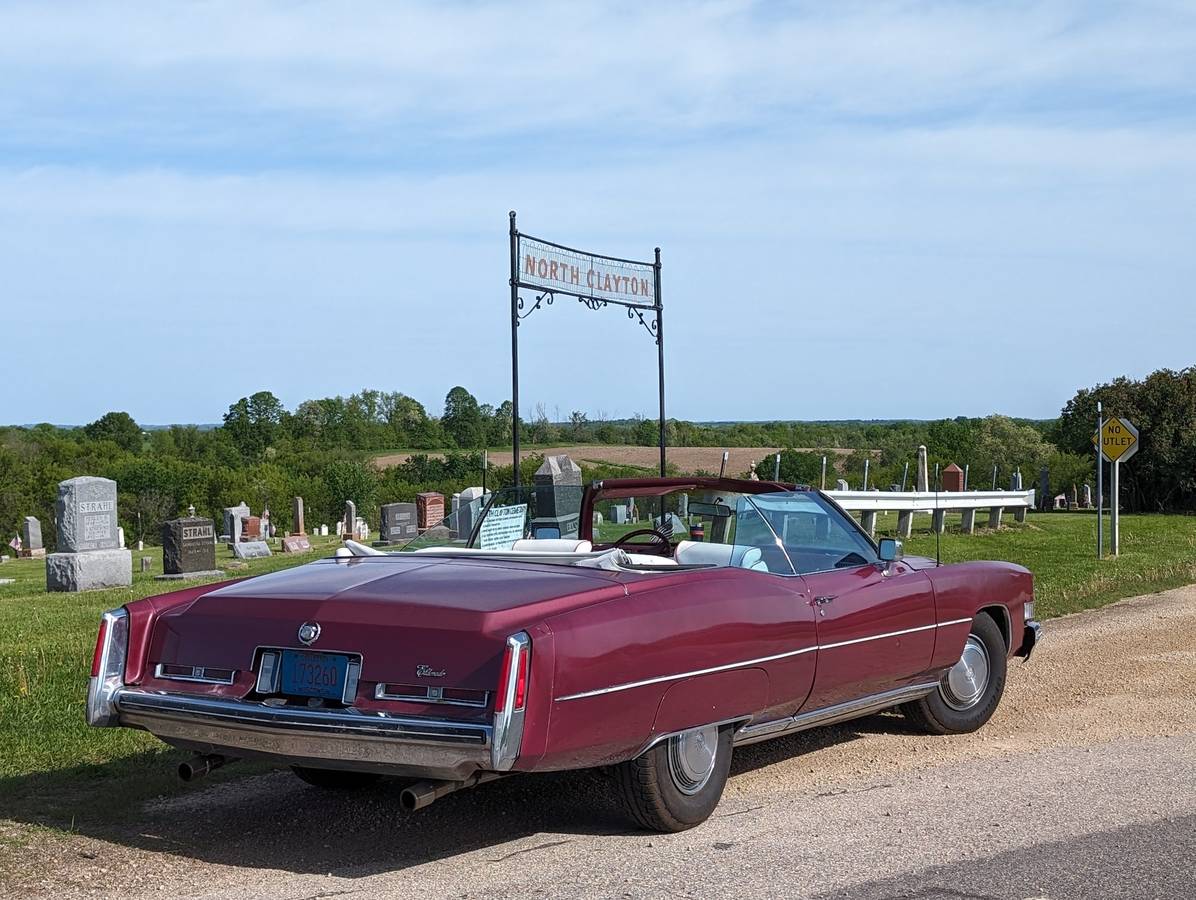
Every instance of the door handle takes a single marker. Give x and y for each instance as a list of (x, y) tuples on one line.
[(823, 601)]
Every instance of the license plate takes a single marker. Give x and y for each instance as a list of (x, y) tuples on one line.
[(314, 674)]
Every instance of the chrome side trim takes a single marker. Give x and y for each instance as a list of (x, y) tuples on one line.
[(198, 675), (889, 634), (661, 678), (752, 662), (508, 724), (829, 715)]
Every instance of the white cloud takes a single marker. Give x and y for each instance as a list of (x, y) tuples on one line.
[(617, 70)]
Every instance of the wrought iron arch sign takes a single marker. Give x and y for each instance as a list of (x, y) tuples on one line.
[(596, 281)]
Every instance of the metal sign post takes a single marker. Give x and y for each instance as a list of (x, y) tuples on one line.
[(1116, 440), (594, 281), (1100, 487)]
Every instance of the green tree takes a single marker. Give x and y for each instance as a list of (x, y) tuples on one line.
[(253, 423), (117, 427), (462, 419)]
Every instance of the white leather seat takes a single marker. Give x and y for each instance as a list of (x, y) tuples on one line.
[(552, 545), (700, 553)]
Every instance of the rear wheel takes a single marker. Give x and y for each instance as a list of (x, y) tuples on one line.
[(335, 779), (678, 783), (968, 694)]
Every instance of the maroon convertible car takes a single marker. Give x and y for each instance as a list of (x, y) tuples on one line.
[(648, 625)]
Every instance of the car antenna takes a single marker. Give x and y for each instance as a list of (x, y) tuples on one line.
[(935, 522)]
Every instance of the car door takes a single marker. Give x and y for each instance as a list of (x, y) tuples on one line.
[(875, 624), (875, 630)]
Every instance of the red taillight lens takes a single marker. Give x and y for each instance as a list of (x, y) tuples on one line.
[(95, 657), (519, 656), (521, 680), (504, 675)]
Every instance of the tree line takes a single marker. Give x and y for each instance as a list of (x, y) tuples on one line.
[(264, 454)]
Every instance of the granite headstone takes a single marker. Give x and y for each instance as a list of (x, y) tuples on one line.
[(251, 550), (86, 511), (188, 546), (398, 523)]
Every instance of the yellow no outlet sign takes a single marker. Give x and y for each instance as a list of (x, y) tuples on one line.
[(1117, 439)]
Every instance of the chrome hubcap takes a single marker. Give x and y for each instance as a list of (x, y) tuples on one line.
[(963, 686), (691, 758)]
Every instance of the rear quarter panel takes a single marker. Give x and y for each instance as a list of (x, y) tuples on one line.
[(962, 590), (664, 628)]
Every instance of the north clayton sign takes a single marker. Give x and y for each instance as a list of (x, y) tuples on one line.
[(554, 268)]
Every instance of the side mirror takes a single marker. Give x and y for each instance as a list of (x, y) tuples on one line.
[(890, 550)]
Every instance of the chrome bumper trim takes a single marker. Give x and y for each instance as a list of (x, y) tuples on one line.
[(430, 748), (1031, 639)]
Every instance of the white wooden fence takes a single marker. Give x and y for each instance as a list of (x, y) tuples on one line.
[(906, 503)]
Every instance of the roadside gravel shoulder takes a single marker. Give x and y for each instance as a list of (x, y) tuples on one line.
[(1119, 674)]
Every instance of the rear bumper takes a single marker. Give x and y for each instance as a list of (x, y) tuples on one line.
[(342, 739), (1031, 638)]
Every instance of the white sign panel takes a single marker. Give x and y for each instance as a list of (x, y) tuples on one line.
[(553, 268), (502, 527)]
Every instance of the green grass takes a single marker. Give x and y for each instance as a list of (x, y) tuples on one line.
[(48, 756), (54, 769), (1157, 552)]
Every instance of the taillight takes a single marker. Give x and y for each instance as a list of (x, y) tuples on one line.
[(512, 678), (108, 668), (99, 650), (510, 700)]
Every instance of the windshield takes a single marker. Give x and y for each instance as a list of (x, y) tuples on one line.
[(816, 536), (780, 532)]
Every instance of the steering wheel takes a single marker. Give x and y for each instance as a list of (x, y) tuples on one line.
[(662, 545)]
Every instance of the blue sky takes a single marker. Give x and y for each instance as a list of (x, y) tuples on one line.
[(865, 210)]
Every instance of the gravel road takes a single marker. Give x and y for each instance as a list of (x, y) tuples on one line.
[(1083, 785)]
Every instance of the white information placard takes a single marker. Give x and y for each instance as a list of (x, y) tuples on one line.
[(502, 527)]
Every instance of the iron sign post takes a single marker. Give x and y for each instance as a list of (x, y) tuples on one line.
[(1116, 439), (1100, 486), (554, 269)]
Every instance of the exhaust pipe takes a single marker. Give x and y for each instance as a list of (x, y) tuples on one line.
[(199, 766), (425, 793)]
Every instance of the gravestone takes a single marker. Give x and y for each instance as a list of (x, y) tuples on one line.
[(31, 539), (89, 555), (1015, 480), (251, 528), (558, 498), (618, 514), (86, 511), (842, 485), (1044, 488), (469, 509), (952, 478), (323, 531), (232, 521), (399, 523), (251, 550), (349, 520), (1086, 499), (297, 526), (188, 547), (923, 470), (296, 543), (429, 509)]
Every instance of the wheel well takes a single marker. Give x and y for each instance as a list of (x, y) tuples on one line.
[(1000, 615)]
